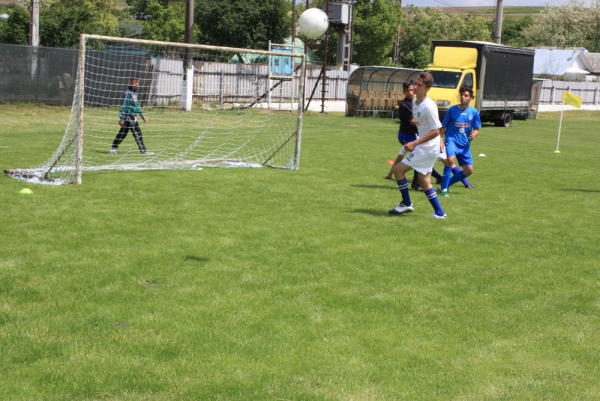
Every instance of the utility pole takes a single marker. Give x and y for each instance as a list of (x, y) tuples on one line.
[(34, 37), (324, 71), (498, 24), (188, 72), (294, 25), (34, 25), (189, 22), (397, 47)]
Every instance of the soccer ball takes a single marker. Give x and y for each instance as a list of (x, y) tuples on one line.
[(313, 23)]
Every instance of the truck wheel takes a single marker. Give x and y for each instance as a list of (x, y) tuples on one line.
[(505, 121)]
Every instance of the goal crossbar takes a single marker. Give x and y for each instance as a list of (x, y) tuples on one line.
[(202, 108)]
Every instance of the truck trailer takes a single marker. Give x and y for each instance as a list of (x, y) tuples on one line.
[(500, 77)]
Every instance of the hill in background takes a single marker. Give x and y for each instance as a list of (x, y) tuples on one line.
[(490, 11)]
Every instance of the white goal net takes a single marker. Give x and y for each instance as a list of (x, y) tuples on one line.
[(156, 105)]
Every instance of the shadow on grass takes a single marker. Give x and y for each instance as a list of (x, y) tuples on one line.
[(371, 212), (196, 258), (587, 191), (374, 186)]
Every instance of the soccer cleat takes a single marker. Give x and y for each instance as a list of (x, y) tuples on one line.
[(113, 151), (435, 216), (401, 208), (444, 193), (416, 187), (146, 152), (471, 186)]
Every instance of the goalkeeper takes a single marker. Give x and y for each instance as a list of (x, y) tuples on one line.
[(128, 120)]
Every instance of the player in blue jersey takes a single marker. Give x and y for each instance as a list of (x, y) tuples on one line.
[(460, 126)]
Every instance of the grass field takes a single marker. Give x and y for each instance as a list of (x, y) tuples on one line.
[(263, 284)]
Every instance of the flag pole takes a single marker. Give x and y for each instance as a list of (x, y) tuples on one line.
[(562, 107)]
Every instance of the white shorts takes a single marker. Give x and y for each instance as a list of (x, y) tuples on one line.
[(422, 159)]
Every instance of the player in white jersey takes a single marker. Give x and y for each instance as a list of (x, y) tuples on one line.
[(425, 151)]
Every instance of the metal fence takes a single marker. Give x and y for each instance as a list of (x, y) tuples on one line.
[(37, 74), (234, 82), (552, 91), (47, 75)]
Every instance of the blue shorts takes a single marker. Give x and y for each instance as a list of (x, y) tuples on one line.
[(405, 138), (462, 153)]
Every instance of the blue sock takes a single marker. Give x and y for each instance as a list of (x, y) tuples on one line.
[(447, 176), (456, 178), (403, 187), (457, 170), (436, 175), (433, 199)]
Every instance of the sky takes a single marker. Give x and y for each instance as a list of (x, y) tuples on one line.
[(479, 3)]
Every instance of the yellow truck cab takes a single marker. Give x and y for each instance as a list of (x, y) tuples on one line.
[(500, 77)]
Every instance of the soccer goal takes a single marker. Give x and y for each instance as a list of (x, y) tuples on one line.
[(193, 106)]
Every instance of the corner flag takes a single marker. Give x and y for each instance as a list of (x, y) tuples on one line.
[(571, 99)]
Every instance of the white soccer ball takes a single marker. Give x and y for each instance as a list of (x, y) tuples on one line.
[(313, 23)]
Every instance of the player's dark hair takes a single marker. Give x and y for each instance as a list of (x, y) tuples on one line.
[(133, 78), (406, 84), (464, 89), (427, 79)]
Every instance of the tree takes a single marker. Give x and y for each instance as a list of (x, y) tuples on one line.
[(375, 25), (164, 23), (63, 22), (474, 27), (139, 8), (562, 26), (15, 30), (244, 24), (512, 31), (422, 27), (592, 37)]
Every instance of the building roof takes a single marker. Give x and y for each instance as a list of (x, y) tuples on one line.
[(560, 61), (137, 30), (593, 60)]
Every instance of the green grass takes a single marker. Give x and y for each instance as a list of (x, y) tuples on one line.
[(262, 284), (511, 10)]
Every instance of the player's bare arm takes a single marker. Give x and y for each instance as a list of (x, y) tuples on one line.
[(442, 146), (425, 138), (474, 133)]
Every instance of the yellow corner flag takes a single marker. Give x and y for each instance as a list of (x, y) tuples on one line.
[(571, 99)]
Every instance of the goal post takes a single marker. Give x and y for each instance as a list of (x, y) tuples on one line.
[(239, 116)]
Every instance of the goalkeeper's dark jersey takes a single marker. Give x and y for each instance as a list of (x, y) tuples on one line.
[(130, 106), (405, 112)]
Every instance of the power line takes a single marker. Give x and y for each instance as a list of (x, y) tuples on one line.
[(450, 5)]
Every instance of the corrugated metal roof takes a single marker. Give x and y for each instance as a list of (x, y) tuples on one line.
[(593, 60), (557, 61)]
